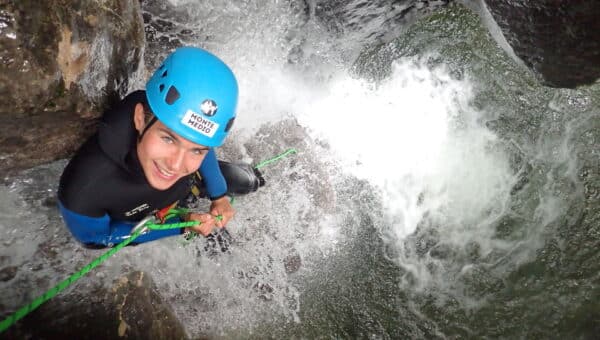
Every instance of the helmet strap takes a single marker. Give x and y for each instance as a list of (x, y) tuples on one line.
[(150, 123)]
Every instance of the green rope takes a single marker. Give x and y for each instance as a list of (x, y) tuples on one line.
[(276, 158), (21, 312), (190, 236), (9, 321)]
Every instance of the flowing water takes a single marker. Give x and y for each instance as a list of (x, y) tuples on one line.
[(438, 191)]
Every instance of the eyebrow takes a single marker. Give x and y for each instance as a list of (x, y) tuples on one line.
[(178, 139)]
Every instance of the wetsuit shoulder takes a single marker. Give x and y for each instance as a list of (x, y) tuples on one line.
[(85, 180)]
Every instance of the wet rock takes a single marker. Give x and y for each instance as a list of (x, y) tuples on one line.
[(274, 138), (373, 21), (441, 251), (8, 273), (558, 40), (61, 63), (131, 309), (47, 249), (141, 312), (265, 291), (165, 30), (292, 263)]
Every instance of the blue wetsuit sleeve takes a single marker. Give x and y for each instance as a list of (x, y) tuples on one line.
[(106, 232), (215, 183)]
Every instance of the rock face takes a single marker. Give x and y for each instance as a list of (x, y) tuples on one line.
[(131, 309), (61, 62), (373, 21), (559, 40)]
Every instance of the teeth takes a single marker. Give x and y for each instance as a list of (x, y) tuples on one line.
[(164, 172)]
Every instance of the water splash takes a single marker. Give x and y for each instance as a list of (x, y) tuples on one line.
[(418, 141)]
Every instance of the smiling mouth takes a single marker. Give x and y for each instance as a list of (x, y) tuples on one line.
[(164, 174)]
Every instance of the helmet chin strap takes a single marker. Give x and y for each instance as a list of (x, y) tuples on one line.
[(150, 123)]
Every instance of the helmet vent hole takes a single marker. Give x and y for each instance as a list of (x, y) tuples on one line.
[(172, 95), (161, 87), (229, 124), (164, 74)]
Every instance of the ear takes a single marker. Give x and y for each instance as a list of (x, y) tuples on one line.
[(138, 118)]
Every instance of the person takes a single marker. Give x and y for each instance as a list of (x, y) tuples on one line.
[(152, 149)]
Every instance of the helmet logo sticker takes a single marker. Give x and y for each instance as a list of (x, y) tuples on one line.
[(208, 107), (200, 124)]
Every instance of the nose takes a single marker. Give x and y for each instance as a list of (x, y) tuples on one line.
[(176, 160)]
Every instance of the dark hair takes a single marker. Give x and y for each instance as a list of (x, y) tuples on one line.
[(148, 117)]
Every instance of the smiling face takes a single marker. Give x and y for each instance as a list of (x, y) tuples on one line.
[(164, 156)]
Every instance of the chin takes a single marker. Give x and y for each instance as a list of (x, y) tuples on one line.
[(161, 184), (161, 187)]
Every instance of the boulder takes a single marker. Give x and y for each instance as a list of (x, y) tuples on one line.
[(131, 308), (559, 40), (61, 63)]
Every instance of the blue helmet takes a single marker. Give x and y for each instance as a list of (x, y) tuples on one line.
[(194, 94)]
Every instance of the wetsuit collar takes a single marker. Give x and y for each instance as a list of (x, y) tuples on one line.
[(117, 135)]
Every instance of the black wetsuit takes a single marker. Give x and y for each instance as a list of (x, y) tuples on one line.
[(103, 192)]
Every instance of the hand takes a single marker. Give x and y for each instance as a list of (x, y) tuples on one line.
[(207, 223), (222, 207)]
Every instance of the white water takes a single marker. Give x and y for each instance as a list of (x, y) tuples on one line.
[(414, 134), (418, 141)]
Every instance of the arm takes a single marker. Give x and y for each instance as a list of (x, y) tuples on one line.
[(104, 231), (215, 183), (216, 187)]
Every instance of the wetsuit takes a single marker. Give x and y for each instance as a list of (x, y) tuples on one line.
[(103, 192)]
